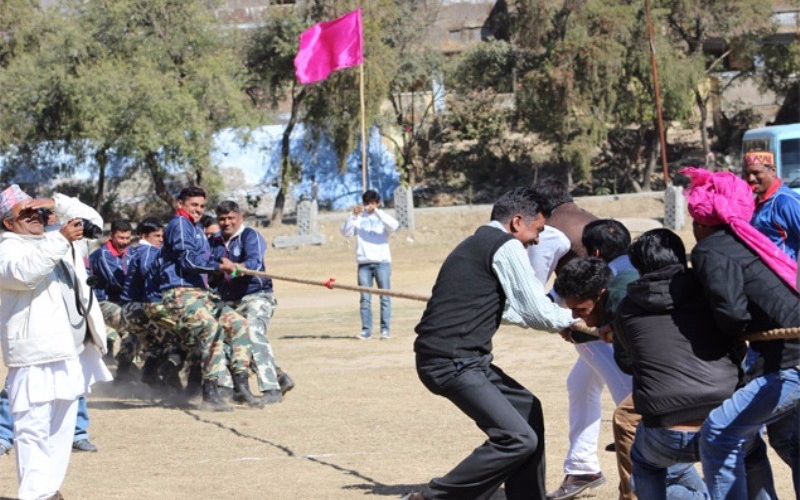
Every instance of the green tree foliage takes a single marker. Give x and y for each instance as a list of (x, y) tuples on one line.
[(331, 108), (571, 96), (151, 80), (733, 24), (416, 68)]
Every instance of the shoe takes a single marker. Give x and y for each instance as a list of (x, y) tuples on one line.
[(83, 445), (413, 496), (211, 399), (385, 335), (56, 496), (285, 381), (272, 396), (242, 394), (612, 447), (365, 336), (574, 484), (5, 448)]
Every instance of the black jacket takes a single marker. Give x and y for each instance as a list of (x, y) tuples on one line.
[(683, 365), (747, 296)]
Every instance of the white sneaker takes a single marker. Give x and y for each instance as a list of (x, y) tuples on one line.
[(385, 335), (365, 336)]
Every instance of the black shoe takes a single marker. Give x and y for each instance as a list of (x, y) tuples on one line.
[(83, 445), (285, 381), (170, 373), (574, 484), (150, 372), (211, 399), (241, 391), (612, 447)]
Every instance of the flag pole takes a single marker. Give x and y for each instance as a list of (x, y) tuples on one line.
[(363, 129)]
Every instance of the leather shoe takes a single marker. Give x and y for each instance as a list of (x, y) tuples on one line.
[(83, 445), (574, 484), (413, 496)]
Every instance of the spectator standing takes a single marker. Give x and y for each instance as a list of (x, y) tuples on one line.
[(777, 216), (52, 334), (372, 227)]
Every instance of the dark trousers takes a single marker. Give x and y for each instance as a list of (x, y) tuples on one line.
[(510, 415)]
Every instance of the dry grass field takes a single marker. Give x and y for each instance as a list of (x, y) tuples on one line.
[(359, 424)]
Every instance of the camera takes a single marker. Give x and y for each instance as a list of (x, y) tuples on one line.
[(90, 230), (44, 215)]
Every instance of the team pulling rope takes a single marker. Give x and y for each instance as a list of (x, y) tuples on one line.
[(580, 326)]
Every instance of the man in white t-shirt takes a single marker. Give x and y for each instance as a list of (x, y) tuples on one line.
[(372, 227)]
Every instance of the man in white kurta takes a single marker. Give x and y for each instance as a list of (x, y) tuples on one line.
[(52, 333)]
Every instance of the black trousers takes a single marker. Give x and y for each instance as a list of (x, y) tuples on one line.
[(510, 415)]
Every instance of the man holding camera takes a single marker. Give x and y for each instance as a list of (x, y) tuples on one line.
[(52, 333)]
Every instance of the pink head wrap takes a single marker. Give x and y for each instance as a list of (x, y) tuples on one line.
[(10, 197), (723, 198)]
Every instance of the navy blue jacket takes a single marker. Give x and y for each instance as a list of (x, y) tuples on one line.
[(246, 247), (185, 256), (142, 281), (110, 267)]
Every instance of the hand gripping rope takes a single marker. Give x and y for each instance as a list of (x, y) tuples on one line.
[(774, 334)]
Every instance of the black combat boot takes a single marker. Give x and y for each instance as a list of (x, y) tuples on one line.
[(211, 399), (150, 372), (241, 390), (284, 380)]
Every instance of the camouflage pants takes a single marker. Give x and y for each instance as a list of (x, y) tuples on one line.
[(116, 329), (210, 323), (112, 315), (258, 308), (149, 321)]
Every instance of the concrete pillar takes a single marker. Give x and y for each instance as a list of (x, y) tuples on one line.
[(674, 208), (307, 217), (404, 207)]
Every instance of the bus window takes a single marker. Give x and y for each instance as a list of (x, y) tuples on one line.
[(790, 162)]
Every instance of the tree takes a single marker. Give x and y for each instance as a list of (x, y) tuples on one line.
[(330, 108), (269, 59), (734, 25), (570, 94), (151, 80), (415, 85)]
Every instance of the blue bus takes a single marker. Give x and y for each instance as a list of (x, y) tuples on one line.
[(784, 142)]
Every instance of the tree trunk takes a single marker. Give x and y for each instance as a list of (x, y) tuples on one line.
[(652, 160), (701, 106), (157, 174), (286, 164), (102, 161)]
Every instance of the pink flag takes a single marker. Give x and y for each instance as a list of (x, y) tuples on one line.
[(326, 47)]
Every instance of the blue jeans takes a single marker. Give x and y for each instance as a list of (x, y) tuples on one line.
[(738, 420), (655, 450), (7, 420), (381, 273)]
